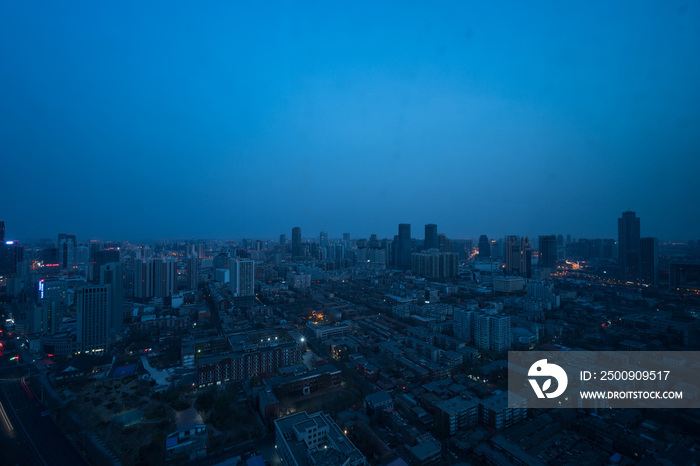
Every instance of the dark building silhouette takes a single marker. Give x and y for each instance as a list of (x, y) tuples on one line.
[(649, 261), (684, 276), (67, 245), (431, 237), (445, 244), (113, 274), (296, 242), (628, 247), (323, 239), (11, 253), (484, 248), (403, 248), (518, 257), (100, 257), (548, 251), (94, 312)]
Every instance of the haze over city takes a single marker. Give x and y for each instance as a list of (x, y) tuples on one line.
[(139, 122)]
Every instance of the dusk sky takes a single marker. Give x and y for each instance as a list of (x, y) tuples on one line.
[(229, 120)]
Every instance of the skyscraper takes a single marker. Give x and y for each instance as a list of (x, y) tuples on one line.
[(100, 257), (113, 274), (431, 237), (403, 250), (649, 261), (165, 278), (93, 318), (193, 272), (323, 239), (2, 231), (143, 278), (66, 250), (628, 243), (548, 251), (492, 332), (518, 257), (242, 278), (296, 242), (484, 248)]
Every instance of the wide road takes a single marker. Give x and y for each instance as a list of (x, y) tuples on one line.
[(24, 411), (14, 445)]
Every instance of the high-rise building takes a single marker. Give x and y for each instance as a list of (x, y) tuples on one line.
[(143, 278), (323, 239), (464, 324), (100, 257), (403, 248), (492, 332), (548, 251), (54, 299), (518, 257), (113, 274), (684, 276), (296, 242), (628, 245), (93, 318), (434, 264), (165, 278), (242, 278), (11, 253), (484, 248), (221, 261), (193, 272), (66, 250), (431, 237), (445, 244), (649, 261)]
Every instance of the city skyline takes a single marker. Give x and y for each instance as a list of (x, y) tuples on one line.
[(311, 235), (224, 121)]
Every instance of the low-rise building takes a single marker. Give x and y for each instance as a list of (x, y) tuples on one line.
[(302, 439)]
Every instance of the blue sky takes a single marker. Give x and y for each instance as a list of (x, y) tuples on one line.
[(231, 119)]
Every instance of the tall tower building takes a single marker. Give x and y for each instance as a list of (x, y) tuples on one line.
[(143, 278), (113, 274), (484, 248), (323, 239), (67, 245), (492, 332), (518, 257), (403, 250), (464, 324), (93, 318), (628, 246), (193, 272), (165, 278), (649, 261), (242, 278), (100, 257), (2, 232), (431, 237), (283, 239), (296, 242), (548, 251)]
